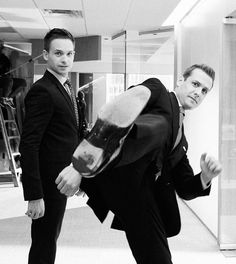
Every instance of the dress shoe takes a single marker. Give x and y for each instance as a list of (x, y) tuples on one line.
[(104, 142)]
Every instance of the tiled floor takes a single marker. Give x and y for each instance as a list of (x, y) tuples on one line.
[(84, 240)]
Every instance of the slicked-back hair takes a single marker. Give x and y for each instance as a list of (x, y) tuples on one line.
[(57, 33), (207, 69)]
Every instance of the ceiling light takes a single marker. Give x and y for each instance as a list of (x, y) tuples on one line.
[(63, 12)]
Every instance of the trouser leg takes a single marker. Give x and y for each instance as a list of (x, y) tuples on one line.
[(145, 233), (45, 232), (141, 220), (149, 133)]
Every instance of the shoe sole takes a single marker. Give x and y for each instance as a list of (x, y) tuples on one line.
[(87, 158), (119, 112)]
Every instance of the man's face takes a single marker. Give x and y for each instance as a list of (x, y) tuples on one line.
[(193, 90), (60, 56)]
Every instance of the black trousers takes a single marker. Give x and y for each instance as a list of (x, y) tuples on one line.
[(45, 232), (138, 213)]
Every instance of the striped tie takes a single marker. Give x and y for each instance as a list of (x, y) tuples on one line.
[(181, 118), (70, 91)]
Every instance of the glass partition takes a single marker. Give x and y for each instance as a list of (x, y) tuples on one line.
[(150, 54), (227, 181), (128, 58)]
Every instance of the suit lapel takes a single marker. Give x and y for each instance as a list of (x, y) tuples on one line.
[(175, 116), (62, 90)]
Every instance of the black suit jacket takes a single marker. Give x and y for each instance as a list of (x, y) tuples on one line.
[(49, 137), (147, 151)]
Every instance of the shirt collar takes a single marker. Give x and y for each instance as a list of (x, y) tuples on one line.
[(60, 78), (177, 99), (181, 109)]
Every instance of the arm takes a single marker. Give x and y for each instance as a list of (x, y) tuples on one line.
[(39, 109), (189, 186), (69, 179)]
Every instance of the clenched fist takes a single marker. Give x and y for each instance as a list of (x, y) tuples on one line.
[(210, 167)]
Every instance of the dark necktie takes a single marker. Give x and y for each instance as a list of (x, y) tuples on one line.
[(68, 87), (181, 118)]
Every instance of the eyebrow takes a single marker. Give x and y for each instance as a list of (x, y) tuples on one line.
[(62, 51)]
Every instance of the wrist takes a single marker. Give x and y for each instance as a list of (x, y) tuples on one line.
[(205, 180)]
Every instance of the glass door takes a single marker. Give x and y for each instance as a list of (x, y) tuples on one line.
[(227, 141)]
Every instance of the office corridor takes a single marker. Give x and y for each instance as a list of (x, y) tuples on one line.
[(84, 240)]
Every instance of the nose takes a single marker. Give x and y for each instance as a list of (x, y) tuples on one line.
[(197, 92), (64, 58)]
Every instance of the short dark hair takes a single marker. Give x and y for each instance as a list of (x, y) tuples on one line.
[(207, 69), (57, 33)]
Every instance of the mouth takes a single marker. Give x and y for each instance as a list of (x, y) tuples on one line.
[(63, 66), (193, 99)]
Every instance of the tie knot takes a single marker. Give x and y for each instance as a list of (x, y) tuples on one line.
[(67, 83)]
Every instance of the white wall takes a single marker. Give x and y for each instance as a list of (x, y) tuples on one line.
[(199, 40)]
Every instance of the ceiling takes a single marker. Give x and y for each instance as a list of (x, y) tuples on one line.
[(148, 23), (31, 19)]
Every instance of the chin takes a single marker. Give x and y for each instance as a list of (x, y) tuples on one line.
[(63, 73), (193, 106)]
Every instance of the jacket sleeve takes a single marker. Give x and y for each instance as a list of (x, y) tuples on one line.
[(188, 186), (38, 112)]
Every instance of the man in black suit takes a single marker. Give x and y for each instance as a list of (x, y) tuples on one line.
[(53, 126), (139, 186)]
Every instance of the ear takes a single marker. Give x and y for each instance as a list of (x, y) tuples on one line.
[(45, 55), (180, 81)]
